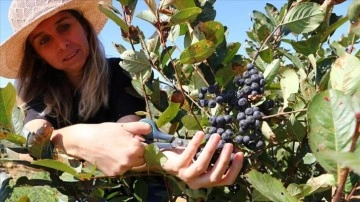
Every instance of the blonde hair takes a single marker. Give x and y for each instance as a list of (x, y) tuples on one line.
[(37, 78)]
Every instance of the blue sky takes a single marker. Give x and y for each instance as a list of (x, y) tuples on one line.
[(235, 14)]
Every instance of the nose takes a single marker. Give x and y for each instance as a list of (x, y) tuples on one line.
[(62, 43)]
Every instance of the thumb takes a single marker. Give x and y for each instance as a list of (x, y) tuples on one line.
[(137, 128)]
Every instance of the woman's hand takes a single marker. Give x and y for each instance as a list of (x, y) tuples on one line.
[(197, 174), (113, 148)]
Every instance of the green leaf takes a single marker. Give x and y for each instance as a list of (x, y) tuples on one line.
[(273, 14), (153, 156), (181, 4), (54, 164), (309, 158), (345, 160), (321, 183), (271, 70), (267, 54), (147, 16), (331, 124), (166, 54), (292, 58), (232, 49), (197, 52), (289, 83), (17, 120), (185, 15), (7, 103), (304, 17), (308, 46), (345, 74), (213, 31), (152, 5), (135, 62), (190, 123), (298, 190), (168, 114), (126, 2), (16, 139), (110, 14), (224, 76), (270, 187)]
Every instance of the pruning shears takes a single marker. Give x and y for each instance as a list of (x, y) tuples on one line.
[(163, 140)]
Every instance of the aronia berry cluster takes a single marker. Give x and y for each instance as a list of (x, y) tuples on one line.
[(241, 121)]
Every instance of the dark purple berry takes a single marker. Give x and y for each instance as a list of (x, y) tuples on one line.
[(250, 66), (212, 103), (212, 89), (228, 118), (220, 99), (203, 90), (242, 102), (249, 111), (257, 115), (220, 120), (238, 139), (246, 139), (212, 130), (220, 131), (260, 144), (240, 116)]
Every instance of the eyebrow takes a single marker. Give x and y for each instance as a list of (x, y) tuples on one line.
[(57, 22)]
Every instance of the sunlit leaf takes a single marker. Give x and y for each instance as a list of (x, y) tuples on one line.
[(321, 183), (136, 63), (232, 49), (345, 74), (185, 15), (197, 52), (147, 16), (110, 14), (269, 186), (54, 164), (273, 14), (289, 83), (213, 31), (190, 123), (153, 156), (332, 125), (271, 70), (168, 114), (304, 17), (152, 6), (7, 103)]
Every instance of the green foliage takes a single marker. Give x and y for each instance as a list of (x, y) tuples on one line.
[(311, 133)]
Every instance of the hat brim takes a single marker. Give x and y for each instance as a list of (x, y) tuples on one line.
[(12, 50)]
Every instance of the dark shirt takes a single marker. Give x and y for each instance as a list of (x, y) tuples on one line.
[(122, 101)]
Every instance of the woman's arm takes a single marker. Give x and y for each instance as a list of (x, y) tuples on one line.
[(113, 147)]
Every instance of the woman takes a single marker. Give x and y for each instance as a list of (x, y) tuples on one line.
[(66, 81)]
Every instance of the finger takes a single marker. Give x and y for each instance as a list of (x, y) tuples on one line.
[(202, 162), (137, 128), (191, 150), (234, 170), (221, 164)]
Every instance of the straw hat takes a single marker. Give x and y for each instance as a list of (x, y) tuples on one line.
[(25, 15)]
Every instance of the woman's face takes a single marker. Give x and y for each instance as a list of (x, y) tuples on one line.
[(62, 42)]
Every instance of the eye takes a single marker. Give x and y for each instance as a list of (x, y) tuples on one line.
[(64, 27), (44, 40)]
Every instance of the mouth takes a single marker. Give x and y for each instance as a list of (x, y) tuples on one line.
[(69, 57)]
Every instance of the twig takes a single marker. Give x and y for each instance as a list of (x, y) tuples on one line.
[(284, 113)]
